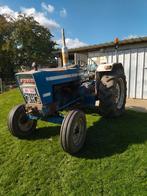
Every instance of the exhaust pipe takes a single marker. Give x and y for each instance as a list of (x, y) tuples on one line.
[(64, 51), (116, 42)]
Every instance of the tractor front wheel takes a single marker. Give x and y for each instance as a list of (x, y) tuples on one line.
[(73, 131), (19, 124)]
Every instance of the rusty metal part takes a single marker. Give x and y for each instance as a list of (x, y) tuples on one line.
[(33, 108)]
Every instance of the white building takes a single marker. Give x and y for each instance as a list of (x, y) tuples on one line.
[(132, 53)]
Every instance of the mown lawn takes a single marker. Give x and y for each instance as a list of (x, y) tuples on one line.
[(113, 161)]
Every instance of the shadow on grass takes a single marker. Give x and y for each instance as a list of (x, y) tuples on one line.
[(106, 137), (113, 136), (45, 133)]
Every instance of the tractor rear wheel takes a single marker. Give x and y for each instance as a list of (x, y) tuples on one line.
[(112, 93), (19, 124), (73, 131)]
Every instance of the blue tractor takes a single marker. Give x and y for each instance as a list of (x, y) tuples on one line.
[(47, 92)]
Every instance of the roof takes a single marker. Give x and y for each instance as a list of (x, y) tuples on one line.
[(95, 47)]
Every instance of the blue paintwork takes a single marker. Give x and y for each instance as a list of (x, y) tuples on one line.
[(70, 103), (45, 86), (54, 119), (32, 117), (45, 83)]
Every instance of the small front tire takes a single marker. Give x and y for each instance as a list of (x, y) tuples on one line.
[(73, 131), (19, 124)]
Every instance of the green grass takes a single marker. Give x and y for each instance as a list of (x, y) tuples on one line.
[(112, 162)]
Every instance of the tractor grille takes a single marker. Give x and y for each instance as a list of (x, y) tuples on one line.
[(31, 98), (30, 95), (28, 88)]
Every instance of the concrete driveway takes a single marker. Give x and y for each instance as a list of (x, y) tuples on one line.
[(137, 105)]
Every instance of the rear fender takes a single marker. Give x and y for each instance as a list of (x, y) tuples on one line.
[(104, 67), (109, 67)]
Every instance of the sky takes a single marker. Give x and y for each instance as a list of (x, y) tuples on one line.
[(86, 22)]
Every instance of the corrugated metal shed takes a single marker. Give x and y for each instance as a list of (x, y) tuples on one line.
[(135, 66), (132, 54)]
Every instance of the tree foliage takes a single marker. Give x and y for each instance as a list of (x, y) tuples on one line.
[(5, 45), (23, 41)]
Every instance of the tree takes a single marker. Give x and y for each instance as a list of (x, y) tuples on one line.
[(6, 54), (31, 42), (23, 41)]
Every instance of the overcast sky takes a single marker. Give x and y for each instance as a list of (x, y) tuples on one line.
[(85, 21)]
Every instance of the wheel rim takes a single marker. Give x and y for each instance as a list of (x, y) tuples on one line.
[(120, 93), (78, 132), (24, 123)]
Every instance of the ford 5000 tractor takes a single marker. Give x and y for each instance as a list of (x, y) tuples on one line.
[(47, 92)]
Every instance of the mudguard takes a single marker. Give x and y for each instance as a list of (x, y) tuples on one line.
[(109, 67)]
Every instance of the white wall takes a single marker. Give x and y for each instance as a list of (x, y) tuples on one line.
[(135, 66)]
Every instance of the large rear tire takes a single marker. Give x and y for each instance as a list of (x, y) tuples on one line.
[(112, 93), (73, 131), (19, 124)]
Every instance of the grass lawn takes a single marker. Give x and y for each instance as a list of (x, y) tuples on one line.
[(112, 162)]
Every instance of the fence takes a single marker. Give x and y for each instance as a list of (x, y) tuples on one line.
[(7, 81)]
